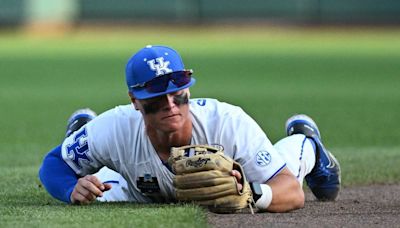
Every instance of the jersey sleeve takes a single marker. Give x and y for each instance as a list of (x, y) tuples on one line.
[(104, 141), (83, 151), (247, 143), (56, 176)]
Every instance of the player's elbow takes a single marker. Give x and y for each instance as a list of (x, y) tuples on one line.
[(299, 200), (294, 201), (298, 197), (288, 197)]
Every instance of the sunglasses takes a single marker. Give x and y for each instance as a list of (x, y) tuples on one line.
[(160, 84)]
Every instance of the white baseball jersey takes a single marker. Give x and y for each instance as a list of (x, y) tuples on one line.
[(117, 139)]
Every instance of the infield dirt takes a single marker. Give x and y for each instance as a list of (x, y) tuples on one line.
[(365, 206)]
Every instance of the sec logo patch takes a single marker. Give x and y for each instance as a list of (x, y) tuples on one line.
[(263, 158)]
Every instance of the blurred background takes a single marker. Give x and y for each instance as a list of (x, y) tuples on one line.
[(295, 12), (338, 61)]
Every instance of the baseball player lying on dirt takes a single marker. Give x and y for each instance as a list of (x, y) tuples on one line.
[(166, 147)]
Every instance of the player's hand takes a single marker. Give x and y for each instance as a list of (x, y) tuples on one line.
[(87, 189), (238, 176)]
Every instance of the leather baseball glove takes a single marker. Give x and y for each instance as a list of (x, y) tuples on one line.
[(203, 176)]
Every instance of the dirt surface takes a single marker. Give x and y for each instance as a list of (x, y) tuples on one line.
[(369, 206)]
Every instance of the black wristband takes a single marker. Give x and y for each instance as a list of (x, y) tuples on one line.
[(257, 191)]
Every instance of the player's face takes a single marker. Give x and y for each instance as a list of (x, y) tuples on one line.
[(167, 113)]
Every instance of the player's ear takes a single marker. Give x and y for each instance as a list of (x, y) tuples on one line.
[(133, 100), (131, 97)]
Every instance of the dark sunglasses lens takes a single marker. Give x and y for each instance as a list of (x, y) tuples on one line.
[(158, 84), (181, 78)]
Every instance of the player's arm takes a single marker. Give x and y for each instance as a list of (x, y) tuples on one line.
[(287, 193), (282, 193), (62, 183), (56, 176)]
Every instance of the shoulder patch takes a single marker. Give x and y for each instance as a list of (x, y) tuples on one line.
[(201, 102), (263, 158)]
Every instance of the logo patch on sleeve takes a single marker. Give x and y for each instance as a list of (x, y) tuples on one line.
[(201, 102), (263, 158), (77, 152)]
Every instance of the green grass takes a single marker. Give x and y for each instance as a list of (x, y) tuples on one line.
[(347, 80)]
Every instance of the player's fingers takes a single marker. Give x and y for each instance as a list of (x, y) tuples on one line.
[(107, 186), (86, 190), (236, 174), (238, 177), (83, 192), (77, 198), (93, 185), (239, 186), (95, 181), (89, 196), (85, 199), (81, 196)]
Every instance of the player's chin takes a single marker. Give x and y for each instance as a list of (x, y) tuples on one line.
[(173, 120), (171, 127)]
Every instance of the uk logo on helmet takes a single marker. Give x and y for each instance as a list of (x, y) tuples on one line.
[(263, 158), (159, 66)]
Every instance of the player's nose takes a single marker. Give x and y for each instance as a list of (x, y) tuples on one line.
[(168, 102)]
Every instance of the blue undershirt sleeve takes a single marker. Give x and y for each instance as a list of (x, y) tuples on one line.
[(56, 176)]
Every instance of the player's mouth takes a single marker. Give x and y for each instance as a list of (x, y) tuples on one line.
[(170, 116)]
